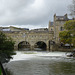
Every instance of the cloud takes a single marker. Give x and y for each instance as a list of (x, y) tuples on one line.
[(31, 12)]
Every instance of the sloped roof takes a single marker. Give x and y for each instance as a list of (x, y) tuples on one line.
[(61, 18)]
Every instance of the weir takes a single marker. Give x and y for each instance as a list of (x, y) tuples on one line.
[(41, 63)]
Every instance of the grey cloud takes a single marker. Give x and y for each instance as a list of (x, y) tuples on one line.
[(14, 5)]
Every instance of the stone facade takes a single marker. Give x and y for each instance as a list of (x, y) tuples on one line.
[(57, 26), (33, 36)]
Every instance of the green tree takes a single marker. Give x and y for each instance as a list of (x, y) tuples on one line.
[(65, 37), (68, 36), (70, 26), (6, 48)]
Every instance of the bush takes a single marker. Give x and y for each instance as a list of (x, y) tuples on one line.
[(6, 48)]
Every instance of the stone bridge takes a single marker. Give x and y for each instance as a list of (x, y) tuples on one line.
[(31, 38)]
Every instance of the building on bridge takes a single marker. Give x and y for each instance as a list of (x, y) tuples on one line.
[(58, 26), (45, 38)]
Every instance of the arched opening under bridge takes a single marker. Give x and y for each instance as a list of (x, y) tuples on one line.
[(24, 45), (40, 46)]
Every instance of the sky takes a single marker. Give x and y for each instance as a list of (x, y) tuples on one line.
[(31, 13)]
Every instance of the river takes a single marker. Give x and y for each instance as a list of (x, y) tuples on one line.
[(41, 63)]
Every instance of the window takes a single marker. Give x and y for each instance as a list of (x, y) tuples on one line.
[(61, 28), (51, 29)]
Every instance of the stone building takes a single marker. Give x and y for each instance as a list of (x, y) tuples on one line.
[(58, 26), (30, 38), (24, 37)]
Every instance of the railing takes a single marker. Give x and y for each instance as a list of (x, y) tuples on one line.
[(2, 71)]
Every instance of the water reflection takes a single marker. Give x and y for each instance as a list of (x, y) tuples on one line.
[(43, 65)]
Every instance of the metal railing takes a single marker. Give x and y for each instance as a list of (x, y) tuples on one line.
[(2, 71)]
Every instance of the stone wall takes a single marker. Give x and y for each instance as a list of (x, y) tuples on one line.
[(31, 37)]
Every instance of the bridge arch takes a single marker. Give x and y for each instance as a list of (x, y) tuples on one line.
[(23, 45), (40, 45)]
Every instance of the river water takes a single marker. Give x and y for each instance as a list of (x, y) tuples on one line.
[(41, 63)]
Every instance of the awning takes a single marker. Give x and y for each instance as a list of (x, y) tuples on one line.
[(67, 44)]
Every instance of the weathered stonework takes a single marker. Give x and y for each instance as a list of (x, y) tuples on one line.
[(58, 25), (33, 36)]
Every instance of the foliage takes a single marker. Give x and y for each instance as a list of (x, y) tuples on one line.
[(6, 48), (65, 37), (68, 36), (70, 25)]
